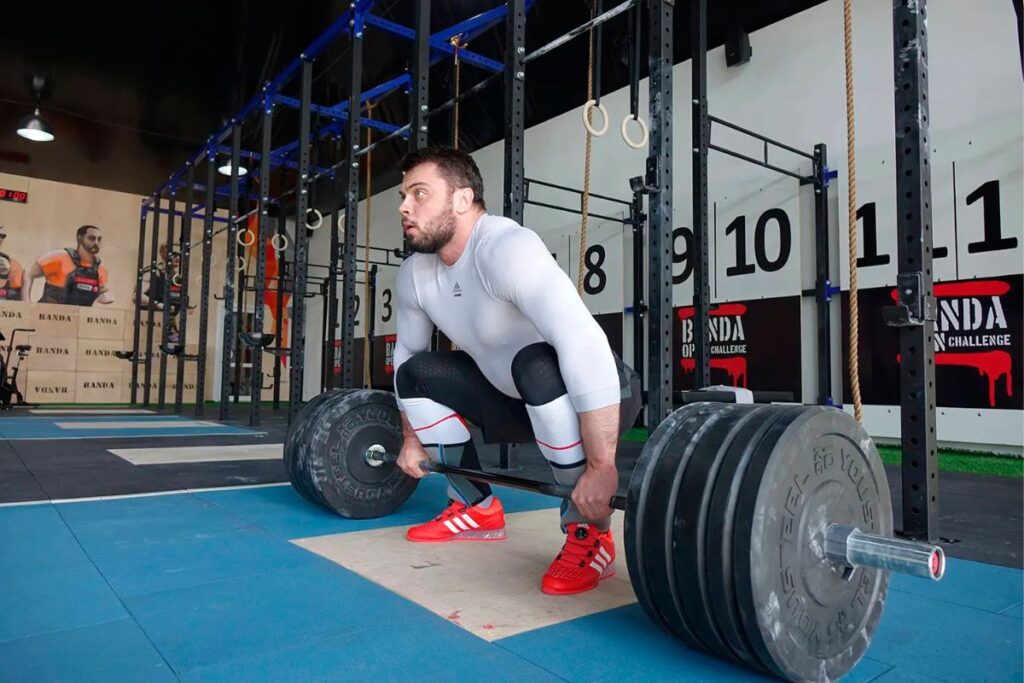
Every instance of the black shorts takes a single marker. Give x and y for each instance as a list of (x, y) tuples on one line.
[(453, 379)]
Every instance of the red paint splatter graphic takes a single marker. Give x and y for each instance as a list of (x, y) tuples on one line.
[(992, 365), (736, 366), (687, 312), (973, 288)]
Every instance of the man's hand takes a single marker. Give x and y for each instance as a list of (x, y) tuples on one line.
[(594, 491), (410, 457)]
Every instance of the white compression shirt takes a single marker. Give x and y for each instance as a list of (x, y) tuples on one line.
[(504, 293)]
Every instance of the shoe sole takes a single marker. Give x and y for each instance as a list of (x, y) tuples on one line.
[(488, 536), (601, 578)]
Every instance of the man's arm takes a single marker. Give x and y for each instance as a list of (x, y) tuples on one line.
[(518, 268), (31, 274), (414, 329), (105, 296)]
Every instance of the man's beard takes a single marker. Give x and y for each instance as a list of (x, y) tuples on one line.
[(435, 234)]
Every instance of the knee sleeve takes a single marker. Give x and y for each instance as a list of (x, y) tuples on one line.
[(537, 375)]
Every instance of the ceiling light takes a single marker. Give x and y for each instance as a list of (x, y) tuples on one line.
[(226, 170), (35, 128)]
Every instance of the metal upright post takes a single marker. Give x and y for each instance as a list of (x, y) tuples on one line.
[(659, 184), (137, 327), (256, 384), (229, 352), (639, 306), (298, 344), (515, 105), (823, 300), (914, 312), (165, 298), (279, 306), (150, 314), (185, 246), (355, 79), (210, 206), (331, 300), (419, 101), (701, 138)]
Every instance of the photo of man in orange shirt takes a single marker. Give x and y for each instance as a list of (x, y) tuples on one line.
[(11, 273), (73, 276)]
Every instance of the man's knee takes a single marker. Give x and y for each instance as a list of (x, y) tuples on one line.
[(413, 375), (537, 375)]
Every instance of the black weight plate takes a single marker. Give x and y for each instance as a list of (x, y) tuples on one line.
[(806, 619), (657, 548), (720, 519), (691, 562), (303, 449), (337, 449), (293, 444), (635, 518)]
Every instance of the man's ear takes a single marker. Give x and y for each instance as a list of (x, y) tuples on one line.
[(463, 200)]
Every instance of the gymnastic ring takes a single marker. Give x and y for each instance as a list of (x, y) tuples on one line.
[(176, 280), (279, 242), (238, 238), (241, 264), (592, 104), (319, 220), (643, 130)]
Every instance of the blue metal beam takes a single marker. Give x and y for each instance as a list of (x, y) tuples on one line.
[(442, 44)]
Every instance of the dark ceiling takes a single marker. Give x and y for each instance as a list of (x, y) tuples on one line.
[(139, 86)]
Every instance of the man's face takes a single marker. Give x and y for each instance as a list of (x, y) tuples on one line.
[(90, 241), (428, 215), (5, 267)]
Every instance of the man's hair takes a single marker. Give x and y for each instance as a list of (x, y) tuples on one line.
[(457, 168), (84, 229)]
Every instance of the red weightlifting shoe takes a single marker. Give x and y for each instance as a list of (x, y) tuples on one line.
[(587, 557), (460, 522)]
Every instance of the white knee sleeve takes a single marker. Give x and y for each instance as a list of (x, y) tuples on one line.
[(435, 423)]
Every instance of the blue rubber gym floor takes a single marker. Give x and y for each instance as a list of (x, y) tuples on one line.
[(109, 426), (206, 586)]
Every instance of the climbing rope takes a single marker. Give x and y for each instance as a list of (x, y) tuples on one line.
[(851, 170), (457, 44), (585, 199)]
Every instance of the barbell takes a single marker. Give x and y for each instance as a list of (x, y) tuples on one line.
[(761, 534)]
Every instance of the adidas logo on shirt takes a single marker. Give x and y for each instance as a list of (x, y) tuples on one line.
[(456, 290)]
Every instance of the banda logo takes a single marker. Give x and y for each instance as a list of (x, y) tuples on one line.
[(99, 352), (10, 314), (98, 385), (101, 321), (970, 323), (389, 353), (52, 351), (728, 341), (55, 317), (51, 390)]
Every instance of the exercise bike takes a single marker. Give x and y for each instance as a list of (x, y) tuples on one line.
[(10, 395)]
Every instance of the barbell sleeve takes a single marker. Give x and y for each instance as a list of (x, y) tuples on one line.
[(847, 546)]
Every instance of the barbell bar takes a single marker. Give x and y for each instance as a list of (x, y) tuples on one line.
[(845, 547)]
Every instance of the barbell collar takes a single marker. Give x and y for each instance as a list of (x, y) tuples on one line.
[(850, 547), (377, 457)]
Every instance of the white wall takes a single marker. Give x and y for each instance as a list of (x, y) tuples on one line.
[(793, 90)]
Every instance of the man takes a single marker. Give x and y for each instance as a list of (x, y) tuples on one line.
[(11, 273), (154, 294), (73, 276), (533, 364)]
